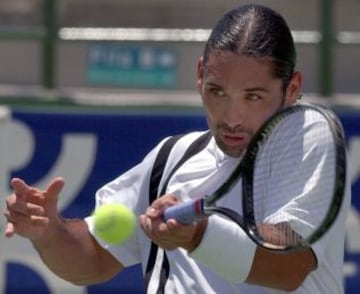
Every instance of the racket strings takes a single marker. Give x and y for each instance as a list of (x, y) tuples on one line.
[(279, 234), (294, 179)]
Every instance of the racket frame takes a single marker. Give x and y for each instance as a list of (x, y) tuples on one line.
[(249, 224)]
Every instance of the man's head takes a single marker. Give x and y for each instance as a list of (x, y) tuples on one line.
[(246, 74), (259, 32)]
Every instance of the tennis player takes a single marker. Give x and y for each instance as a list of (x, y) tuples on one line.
[(247, 73)]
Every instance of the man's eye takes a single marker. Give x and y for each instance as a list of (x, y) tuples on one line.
[(217, 92), (253, 97)]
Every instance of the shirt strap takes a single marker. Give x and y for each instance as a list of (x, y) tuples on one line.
[(156, 174)]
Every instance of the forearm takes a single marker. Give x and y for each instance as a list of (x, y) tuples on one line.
[(228, 251), (70, 252), (270, 268)]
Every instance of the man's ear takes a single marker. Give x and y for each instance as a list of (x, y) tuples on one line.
[(294, 89), (199, 74)]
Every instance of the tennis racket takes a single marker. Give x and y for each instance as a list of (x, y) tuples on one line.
[(292, 184)]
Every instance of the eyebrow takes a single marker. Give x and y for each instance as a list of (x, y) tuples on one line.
[(251, 89), (256, 89), (207, 83)]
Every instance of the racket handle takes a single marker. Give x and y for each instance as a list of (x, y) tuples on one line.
[(186, 212)]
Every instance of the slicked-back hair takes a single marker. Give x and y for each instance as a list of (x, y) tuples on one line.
[(255, 31)]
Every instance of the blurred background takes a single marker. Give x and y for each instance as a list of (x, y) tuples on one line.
[(87, 87)]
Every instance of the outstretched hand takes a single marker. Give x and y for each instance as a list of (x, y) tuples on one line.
[(30, 211)]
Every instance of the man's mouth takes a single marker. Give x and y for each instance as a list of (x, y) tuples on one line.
[(233, 139)]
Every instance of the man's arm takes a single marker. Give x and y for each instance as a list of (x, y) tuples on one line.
[(285, 271), (224, 247), (74, 255), (65, 246)]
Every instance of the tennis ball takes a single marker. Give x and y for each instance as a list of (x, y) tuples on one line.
[(114, 223)]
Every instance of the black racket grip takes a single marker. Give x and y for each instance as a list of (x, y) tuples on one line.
[(186, 212)]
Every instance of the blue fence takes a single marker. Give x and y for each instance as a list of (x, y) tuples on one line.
[(89, 149)]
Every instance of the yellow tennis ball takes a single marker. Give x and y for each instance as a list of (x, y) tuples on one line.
[(114, 223)]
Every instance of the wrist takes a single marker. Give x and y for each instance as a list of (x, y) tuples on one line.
[(200, 228), (50, 234), (226, 249)]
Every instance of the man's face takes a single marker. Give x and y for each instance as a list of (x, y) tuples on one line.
[(239, 93)]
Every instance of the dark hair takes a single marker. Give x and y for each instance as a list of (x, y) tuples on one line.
[(255, 31)]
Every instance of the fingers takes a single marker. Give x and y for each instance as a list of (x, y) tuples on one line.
[(27, 226), (158, 232), (173, 225), (54, 189), (24, 192), (9, 230), (168, 235), (25, 208), (28, 208), (27, 193), (21, 189), (158, 206), (151, 221), (22, 212)]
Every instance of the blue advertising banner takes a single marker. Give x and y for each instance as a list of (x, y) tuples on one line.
[(90, 149), (116, 65)]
